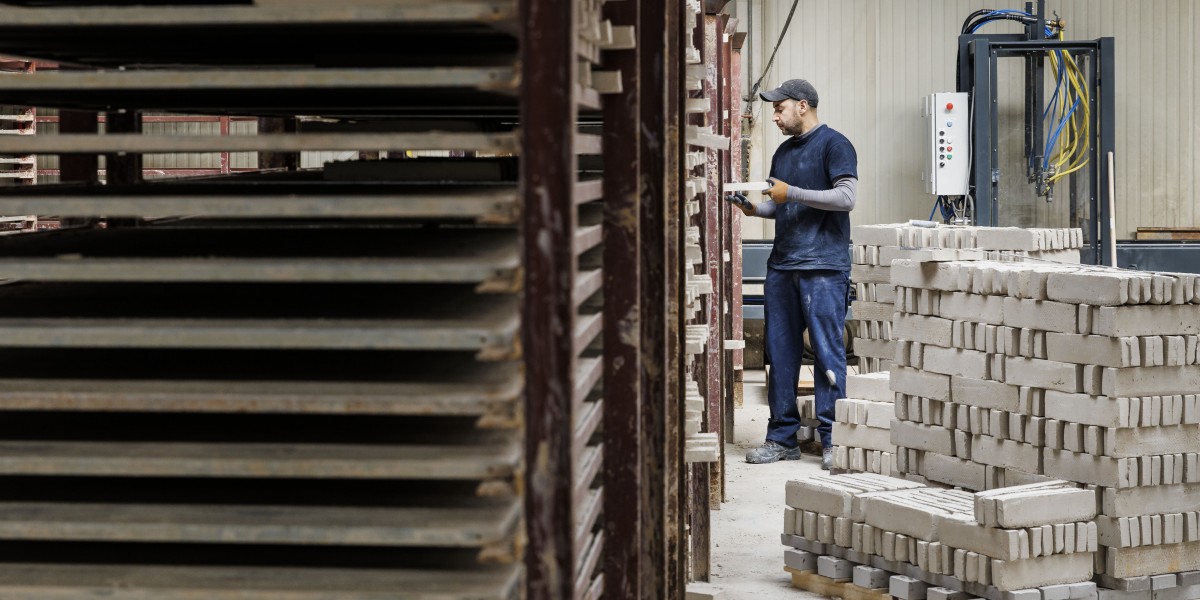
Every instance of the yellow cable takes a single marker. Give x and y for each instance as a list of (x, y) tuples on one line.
[(1074, 155)]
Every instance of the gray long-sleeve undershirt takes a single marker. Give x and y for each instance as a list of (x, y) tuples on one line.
[(841, 198)]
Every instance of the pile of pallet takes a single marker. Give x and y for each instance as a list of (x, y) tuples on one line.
[(869, 532)]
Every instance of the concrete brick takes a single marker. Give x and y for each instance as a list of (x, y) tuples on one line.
[(870, 274), (1037, 507), (1040, 315), (961, 306), (1093, 349), (1119, 321), (1046, 374), (1102, 288), (1150, 560), (1177, 593), (861, 310), (1007, 238), (954, 362), (1101, 411), (1108, 594), (861, 436), (966, 534), (907, 588), (984, 393), (925, 329), (1124, 584), (1162, 582), (836, 569), (1146, 441), (1061, 591), (941, 593), (800, 560), (870, 577), (936, 276), (834, 495), (923, 437), (875, 387), (1082, 591), (1150, 381), (885, 349), (1004, 453), (922, 384), (915, 513), (1042, 571), (954, 471), (704, 591)]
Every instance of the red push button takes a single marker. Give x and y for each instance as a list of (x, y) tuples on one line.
[(949, 106)]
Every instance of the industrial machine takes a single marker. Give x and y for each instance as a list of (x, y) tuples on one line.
[(1068, 124)]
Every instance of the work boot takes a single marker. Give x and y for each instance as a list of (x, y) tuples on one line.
[(826, 459), (771, 452)]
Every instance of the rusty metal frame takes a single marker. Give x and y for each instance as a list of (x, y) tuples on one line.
[(623, 314), (674, 179), (547, 186)]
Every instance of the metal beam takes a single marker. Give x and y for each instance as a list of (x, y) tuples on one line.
[(548, 179)]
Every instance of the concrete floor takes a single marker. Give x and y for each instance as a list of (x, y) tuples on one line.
[(747, 554)]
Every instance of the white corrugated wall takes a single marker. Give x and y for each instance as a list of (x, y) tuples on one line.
[(873, 60)]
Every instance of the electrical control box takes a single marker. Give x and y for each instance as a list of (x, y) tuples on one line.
[(948, 144)]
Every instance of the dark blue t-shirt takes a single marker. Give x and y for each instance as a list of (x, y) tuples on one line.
[(809, 238)]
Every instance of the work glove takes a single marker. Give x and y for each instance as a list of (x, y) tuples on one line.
[(741, 202), (778, 191)]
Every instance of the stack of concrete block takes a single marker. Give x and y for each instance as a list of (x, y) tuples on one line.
[(1012, 373), (808, 418), (862, 429), (876, 246), (1032, 542), (861, 437)]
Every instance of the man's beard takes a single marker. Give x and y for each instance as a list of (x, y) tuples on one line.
[(791, 130)]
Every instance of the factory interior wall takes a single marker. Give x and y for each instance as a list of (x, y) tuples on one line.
[(872, 62)]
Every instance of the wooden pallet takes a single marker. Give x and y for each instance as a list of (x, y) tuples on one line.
[(810, 581)]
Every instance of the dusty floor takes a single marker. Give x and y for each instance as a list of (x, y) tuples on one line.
[(747, 553)]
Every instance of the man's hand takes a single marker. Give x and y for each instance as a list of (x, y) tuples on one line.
[(742, 203), (778, 191)]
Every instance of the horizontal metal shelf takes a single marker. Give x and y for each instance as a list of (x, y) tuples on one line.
[(476, 391), (305, 91), (477, 461), (469, 526), (170, 144), (277, 33), (258, 316), (251, 254), (481, 202), (138, 582)]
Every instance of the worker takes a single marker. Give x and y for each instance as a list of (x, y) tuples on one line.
[(814, 176)]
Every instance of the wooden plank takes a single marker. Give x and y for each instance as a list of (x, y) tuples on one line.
[(482, 460), (505, 143), (142, 582), (469, 526)]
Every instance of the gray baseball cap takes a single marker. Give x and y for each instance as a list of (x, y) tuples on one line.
[(796, 89)]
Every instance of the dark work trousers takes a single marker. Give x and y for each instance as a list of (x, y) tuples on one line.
[(795, 301)]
